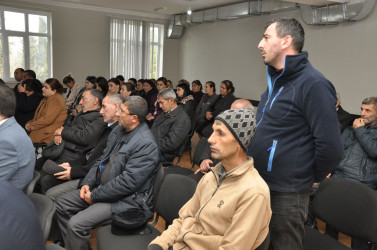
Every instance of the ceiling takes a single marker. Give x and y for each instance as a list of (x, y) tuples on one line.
[(162, 7)]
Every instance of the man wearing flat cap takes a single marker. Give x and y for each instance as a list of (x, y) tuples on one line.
[(231, 206)]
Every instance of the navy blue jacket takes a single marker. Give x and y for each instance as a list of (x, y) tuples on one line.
[(297, 140), (132, 173)]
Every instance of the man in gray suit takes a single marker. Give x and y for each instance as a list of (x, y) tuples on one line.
[(17, 157)]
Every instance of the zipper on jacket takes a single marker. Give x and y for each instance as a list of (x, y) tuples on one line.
[(273, 100), (272, 152)]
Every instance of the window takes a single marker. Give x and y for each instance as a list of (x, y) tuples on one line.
[(25, 42), (136, 48)]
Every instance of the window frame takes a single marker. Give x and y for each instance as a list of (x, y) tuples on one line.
[(5, 34)]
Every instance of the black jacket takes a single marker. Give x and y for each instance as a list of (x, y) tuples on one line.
[(170, 130), (26, 106), (81, 132), (78, 170)]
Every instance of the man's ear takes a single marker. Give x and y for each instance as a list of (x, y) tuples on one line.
[(286, 42)]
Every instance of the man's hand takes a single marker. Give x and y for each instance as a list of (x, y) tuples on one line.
[(27, 127), (358, 123), (209, 115), (64, 175), (59, 131), (84, 189), (204, 166), (87, 198), (58, 139)]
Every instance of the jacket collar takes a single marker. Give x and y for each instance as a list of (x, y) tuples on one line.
[(8, 122), (238, 171), (292, 64)]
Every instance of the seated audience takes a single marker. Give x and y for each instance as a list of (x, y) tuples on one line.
[(17, 155), (140, 88), (170, 84), (231, 206), (149, 90), (125, 170), (20, 226), (29, 74), (50, 113), (75, 170), (359, 162), (154, 107), (171, 127), (197, 91), (226, 99), (185, 99), (102, 85), (74, 89), (127, 89), (79, 135), (206, 103), (345, 119), (133, 81), (114, 86), (90, 82), (120, 78), (28, 99)]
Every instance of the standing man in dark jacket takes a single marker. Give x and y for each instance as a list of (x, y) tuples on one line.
[(360, 146), (297, 140), (171, 127), (120, 180)]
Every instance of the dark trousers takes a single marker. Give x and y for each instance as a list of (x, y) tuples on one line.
[(76, 218), (289, 212)]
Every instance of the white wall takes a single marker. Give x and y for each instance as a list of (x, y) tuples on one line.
[(344, 53)]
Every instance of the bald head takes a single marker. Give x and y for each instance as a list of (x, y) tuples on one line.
[(242, 104)]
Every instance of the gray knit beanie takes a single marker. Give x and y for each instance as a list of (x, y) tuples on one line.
[(241, 122)]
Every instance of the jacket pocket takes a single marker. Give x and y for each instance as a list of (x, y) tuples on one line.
[(272, 153)]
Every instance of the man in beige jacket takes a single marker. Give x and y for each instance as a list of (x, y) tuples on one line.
[(231, 206)]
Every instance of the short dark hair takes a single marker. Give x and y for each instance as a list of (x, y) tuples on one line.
[(97, 94), (138, 106), (371, 100), (67, 79), (31, 73), (7, 101), (120, 78), (290, 26), (133, 80), (130, 87), (22, 70), (151, 83), (33, 85), (55, 85)]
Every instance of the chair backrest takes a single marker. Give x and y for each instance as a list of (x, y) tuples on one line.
[(181, 149), (157, 184), (45, 209), (175, 191), (30, 187), (202, 149), (349, 207)]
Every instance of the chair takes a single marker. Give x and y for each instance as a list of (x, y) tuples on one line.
[(181, 149), (201, 149), (45, 209), (175, 191), (29, 188), (347, 206)]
